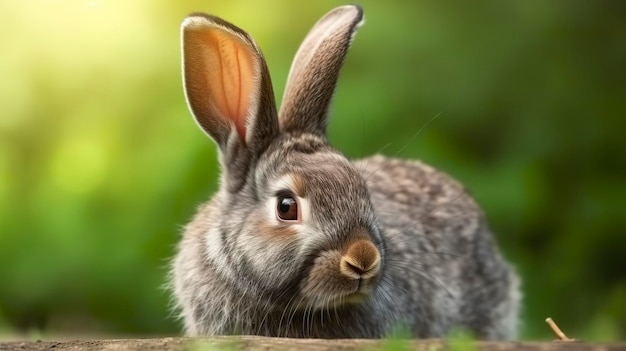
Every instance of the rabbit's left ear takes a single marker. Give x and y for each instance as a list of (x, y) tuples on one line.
[(315, 70), (228, 86)]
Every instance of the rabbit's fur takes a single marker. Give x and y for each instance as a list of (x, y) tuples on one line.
[(377, 244)]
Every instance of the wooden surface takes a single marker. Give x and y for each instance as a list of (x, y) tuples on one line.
[(252, 343)]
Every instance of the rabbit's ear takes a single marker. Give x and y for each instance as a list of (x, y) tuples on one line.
[(315, 70), (227, 84)]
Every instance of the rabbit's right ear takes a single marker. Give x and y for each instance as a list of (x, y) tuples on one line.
[(315, 70), (227, 86)]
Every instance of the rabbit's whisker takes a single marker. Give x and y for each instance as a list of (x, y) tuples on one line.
[(429, 277), (407, 143)]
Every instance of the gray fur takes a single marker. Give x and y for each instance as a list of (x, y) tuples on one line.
[(237, 272)]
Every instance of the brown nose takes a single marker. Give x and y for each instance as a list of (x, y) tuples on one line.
[(361, 260)]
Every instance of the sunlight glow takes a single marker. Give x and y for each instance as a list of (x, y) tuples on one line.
[(79, 166)]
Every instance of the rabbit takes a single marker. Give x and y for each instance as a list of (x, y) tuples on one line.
[(301, 242)]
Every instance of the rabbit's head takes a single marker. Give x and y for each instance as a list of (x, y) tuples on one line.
[(292, 220)]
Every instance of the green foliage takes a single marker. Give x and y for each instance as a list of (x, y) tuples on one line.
[(398, 340), (100, 162), (461, 341), (395, 344)]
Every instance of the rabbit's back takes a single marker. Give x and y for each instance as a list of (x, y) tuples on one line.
[(442, 261)]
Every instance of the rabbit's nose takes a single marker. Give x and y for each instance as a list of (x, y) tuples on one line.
[(361, 260)]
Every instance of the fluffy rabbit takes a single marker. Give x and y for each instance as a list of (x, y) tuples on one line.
[(301, 242)]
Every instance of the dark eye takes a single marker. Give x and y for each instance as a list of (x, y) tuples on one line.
[(287, 208)]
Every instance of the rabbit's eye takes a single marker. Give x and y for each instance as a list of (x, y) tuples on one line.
[(287, 208)]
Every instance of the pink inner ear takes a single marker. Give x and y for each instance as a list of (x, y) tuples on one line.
[(228, 81)]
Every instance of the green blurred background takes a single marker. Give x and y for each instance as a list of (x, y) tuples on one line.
[(101, 164)]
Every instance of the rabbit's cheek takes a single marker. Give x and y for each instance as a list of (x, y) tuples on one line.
[(279, 233), (216, 252), (267, 250)]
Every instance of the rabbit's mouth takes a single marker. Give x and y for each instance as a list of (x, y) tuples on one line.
[(352, 292), (353, 298), (356, 297)]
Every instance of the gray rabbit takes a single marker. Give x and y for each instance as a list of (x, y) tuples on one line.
[(301, 242)]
